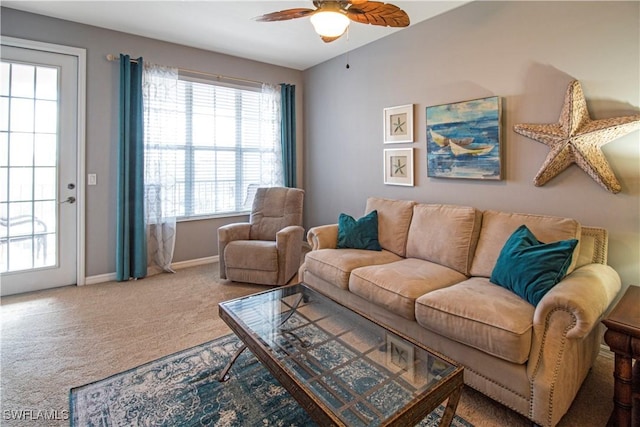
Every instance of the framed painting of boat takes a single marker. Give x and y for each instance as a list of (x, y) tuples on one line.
[(464, 139), (398, 166), (398, 124)]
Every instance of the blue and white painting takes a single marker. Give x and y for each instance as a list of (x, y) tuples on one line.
[(463, 139)]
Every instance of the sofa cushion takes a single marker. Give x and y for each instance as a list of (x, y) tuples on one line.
[(264, 255), (396, 286), (335, 265), (444, 234), (529, 267), (498, 226), (394, 217), (482, 315), (358, 234)]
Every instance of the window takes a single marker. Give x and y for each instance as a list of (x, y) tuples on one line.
[(28, 175), (215, 143)]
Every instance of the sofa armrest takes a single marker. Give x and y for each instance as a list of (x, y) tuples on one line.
[(323, 237), (226, 234), (237, 231), (289, 237), (567, 334), (289, 246), (586, 294)]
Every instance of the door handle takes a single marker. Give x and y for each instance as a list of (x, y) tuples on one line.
[(69, 200)]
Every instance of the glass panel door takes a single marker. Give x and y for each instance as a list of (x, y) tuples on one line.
[(39, 153)]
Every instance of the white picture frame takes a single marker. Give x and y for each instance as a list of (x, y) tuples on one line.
[(398, 124), (398, 166)]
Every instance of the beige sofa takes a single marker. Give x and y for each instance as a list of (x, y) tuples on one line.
[(431, 283)]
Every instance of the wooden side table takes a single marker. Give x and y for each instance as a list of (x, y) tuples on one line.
[(623, 337)]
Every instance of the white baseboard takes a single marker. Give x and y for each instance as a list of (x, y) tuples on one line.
[(195, 262), (605, 351), (100, 278), (110, 277)]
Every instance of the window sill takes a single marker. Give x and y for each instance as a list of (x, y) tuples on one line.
[(217, 216)]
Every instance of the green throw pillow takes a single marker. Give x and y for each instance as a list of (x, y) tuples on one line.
[(360, 234), (529, 267)]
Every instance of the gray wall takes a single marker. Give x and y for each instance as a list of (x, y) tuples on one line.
[(524, 52), (195, 239)]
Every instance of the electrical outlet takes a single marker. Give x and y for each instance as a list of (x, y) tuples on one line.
[(92, 179)]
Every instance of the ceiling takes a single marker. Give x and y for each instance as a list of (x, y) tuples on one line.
[(228, 26)]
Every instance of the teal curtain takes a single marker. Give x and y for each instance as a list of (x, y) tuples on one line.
[(288, 133), (131, 243)]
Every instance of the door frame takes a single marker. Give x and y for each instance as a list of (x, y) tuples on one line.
[(81, 55)]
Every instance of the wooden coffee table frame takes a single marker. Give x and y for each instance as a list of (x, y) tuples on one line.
[(448, 388)]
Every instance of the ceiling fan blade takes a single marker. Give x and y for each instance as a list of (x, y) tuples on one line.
[(378, 13), (283, 15), (330, 39), (336, 3)]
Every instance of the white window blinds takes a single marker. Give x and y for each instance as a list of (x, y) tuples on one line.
[(227, 144)]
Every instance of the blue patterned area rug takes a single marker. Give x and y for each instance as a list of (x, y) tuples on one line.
[(182, 389)]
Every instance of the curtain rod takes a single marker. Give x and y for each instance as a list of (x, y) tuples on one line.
[(111, 57)]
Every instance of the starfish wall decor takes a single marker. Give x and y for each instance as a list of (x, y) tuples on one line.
[(578, 139)]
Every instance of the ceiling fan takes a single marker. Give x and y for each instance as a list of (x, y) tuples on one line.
[(331, 18)]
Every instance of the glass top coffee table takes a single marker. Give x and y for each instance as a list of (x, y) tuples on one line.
[(343, 368)]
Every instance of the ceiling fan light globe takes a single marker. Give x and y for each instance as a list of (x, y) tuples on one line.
[(329, 23)]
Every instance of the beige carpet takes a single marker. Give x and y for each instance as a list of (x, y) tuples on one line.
[(51, 341)]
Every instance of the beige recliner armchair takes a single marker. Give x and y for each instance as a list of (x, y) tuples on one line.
[(267, 249)]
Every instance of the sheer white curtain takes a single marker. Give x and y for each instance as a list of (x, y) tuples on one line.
[(270, 132), (161, 122)]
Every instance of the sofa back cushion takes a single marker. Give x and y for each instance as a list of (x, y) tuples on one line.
[(444, 234), (394, 217), (498, 226)]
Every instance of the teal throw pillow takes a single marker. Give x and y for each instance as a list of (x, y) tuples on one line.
[(529, 267), (360, 234)]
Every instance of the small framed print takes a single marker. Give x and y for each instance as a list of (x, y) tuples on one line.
[(398, 166), (398, 124), (400, 355)]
